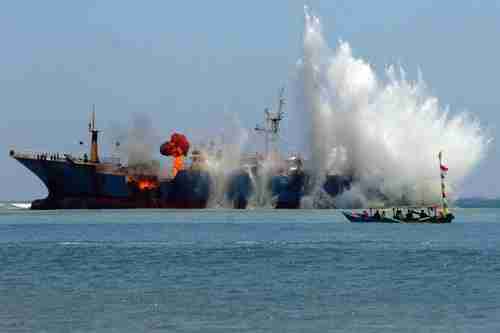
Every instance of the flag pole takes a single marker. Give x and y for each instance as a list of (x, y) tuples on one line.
[(442, 170)]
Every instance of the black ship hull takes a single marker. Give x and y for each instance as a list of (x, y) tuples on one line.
[(80, 185), (289, 190), (239, 189)]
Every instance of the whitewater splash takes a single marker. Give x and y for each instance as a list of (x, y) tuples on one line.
[(385, 133)]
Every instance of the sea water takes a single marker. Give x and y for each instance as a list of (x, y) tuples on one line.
[(246, 271)]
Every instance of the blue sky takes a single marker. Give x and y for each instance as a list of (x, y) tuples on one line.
[(186, 63)]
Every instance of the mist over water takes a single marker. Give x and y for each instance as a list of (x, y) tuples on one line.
[(223, 156), (384, 132)]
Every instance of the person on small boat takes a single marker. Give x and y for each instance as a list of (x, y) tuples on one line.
[(429, 211), (376, 215), (383, 214), (364, 215), (423, 214), (399, 214), (409, 215)]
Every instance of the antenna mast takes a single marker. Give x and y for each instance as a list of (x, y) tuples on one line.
[(271, 127)]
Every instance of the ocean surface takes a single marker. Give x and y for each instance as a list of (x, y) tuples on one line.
[(246, 271)]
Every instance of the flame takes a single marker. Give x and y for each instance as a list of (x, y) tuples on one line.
[(178, 165), (143, 183), (146, 184)]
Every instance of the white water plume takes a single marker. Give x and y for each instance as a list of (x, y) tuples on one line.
[(385, 133), (224, 154)]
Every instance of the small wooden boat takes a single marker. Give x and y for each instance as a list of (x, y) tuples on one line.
[(412, 216), (363, 218)]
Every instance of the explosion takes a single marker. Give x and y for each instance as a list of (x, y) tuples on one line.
[(385, 134), (178, 148)]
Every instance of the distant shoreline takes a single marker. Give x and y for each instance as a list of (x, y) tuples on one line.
[(477, 203)]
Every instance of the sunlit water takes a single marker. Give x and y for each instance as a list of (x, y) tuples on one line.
[(246, 271)]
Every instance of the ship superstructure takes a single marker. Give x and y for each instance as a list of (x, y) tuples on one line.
[(271, 126)]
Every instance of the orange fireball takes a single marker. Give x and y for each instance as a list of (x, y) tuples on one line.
[(177, 147)]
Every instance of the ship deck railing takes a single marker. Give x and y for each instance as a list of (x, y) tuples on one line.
[(61, 157), (52, 156)]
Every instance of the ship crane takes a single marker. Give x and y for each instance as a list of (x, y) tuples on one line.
[(271, 127)]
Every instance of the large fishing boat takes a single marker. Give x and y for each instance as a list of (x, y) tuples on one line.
[(268, 178), (89, 182), (273, 179)]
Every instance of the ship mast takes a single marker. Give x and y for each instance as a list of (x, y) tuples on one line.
[(271, 127), (94, 147)]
